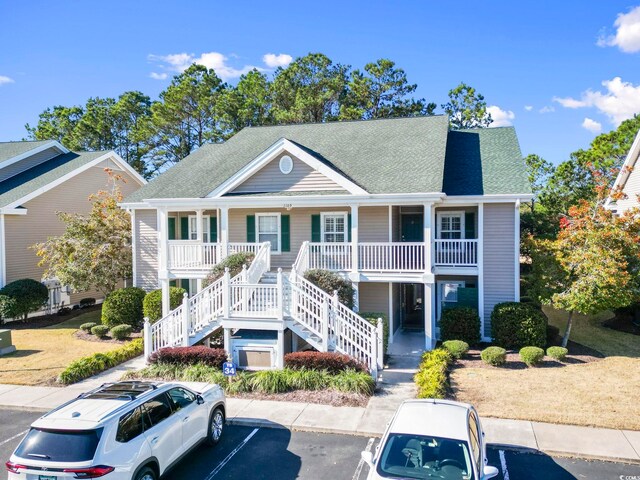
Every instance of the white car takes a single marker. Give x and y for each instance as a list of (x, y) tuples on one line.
[(120, 431), (432, 439)]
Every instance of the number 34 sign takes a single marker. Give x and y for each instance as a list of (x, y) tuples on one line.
[(229, 369)]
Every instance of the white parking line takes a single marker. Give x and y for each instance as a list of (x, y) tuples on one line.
[(230, 456), (503, 464), (13, 438), (356, 475)]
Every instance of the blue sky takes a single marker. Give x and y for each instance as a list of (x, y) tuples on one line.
[(541, 63)]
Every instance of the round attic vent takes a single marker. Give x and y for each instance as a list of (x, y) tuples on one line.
[(286, 164)]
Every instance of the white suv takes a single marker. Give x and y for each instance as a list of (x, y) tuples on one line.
[(125, 430)]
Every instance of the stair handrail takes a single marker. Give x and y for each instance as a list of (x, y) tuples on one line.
[(260, 264)]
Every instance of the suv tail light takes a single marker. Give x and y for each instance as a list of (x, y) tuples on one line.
[(14, 467), (91, 472)]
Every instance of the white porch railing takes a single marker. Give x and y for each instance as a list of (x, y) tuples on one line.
[(192, 255), (391, 257), (330, 256), (456, 252)]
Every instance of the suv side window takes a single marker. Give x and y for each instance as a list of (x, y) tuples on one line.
[(181, 398), (129, 425), (158, 409), (475, 440)]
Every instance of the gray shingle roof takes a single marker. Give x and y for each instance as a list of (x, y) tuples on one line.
[(16, 187), (12, 149), (402, 155)]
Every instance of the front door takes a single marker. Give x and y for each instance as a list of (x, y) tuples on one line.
[(412, 227), (412, 306)]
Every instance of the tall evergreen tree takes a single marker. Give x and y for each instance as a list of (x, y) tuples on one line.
[(466, 108)]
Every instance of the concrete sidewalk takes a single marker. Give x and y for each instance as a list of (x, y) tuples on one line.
[(396, 386)]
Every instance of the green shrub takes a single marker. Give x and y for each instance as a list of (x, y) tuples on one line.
[(516, 325), (233, 262), (100, 330), (372, 317), (460, 323), (431, 378), (557, 353), (21, 297), (120, 332), (271, 381), (87, 366), (531, 355), (329, 282), (457, 348), (88, 326), (353, 381), (495, 356), (152, 303), (123, 306), (304, 379)]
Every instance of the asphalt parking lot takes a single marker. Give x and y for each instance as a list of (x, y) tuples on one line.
[(262, 453)]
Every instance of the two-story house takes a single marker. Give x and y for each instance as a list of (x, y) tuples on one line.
[(417, 216)]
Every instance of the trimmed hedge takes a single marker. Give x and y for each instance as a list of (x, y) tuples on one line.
[(457, 348), (495, 356), (330, 361), (432, 376), (516, 325), (120, 332), (123, 306), (372, 318), (213, 357), (557, 353), (329, 282), (233, 262), (21, 297), (100, 330), (88, 326), (531, 355), (460, 323), (99, 362), (152, 303)]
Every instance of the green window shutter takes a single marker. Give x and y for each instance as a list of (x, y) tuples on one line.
[(349, 227), (213, 229), (184, 228), (315, 228), (251, 228), (184, 283), (285, 236), (469, 225), (172, 228)]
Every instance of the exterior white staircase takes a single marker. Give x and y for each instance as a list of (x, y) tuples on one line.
[(256, 293)]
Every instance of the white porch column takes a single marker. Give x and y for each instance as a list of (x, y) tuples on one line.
[(391, 326), (390, 223), (356, 296), (163, 242), (227, 340), (280, 349), (516, 247), (166, 299), (198, 285), (354, 239), (224, 230), (429, 236), (3, 258), (480, 259), (199, 233), (429, 315)]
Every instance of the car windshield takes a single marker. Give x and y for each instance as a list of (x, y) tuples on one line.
[(422, 457), (59, 445)]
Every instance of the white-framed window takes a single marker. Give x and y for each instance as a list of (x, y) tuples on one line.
[(451, 225), (193, 228), (334, 227), (448, 294), (268, 230)]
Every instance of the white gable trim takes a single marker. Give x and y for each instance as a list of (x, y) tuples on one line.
[(109, 155), (627, 167), (284, 145), (33, 151)]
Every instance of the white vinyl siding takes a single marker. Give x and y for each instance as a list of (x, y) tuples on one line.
[(374, 297), (631, 190), (146, 261), (373, 224), (499, 257)]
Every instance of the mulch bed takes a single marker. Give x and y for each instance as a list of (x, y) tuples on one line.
[(48, 320), (322, 397), (82, 335)]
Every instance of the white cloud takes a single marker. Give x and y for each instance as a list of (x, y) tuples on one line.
[(592, 125), (547, 109), (158, 76), (620, 102), (179, 62), (528, 108), (272, 60), (501, 118), (627, 36), (4, 80)]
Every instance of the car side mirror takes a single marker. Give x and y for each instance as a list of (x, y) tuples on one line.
[(367, 457), (489, 472), (199, 400)]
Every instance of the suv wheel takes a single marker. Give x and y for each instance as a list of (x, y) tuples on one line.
[(146, 474), (216, 425)]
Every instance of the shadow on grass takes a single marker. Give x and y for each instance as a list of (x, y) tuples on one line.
[(20, 354)]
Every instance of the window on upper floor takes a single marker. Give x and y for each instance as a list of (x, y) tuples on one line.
[(451, 225), (193, 228), (334, 227)]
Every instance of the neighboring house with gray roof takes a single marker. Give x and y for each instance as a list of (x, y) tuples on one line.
[(418, 217), (38, 179), (627, 182)]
